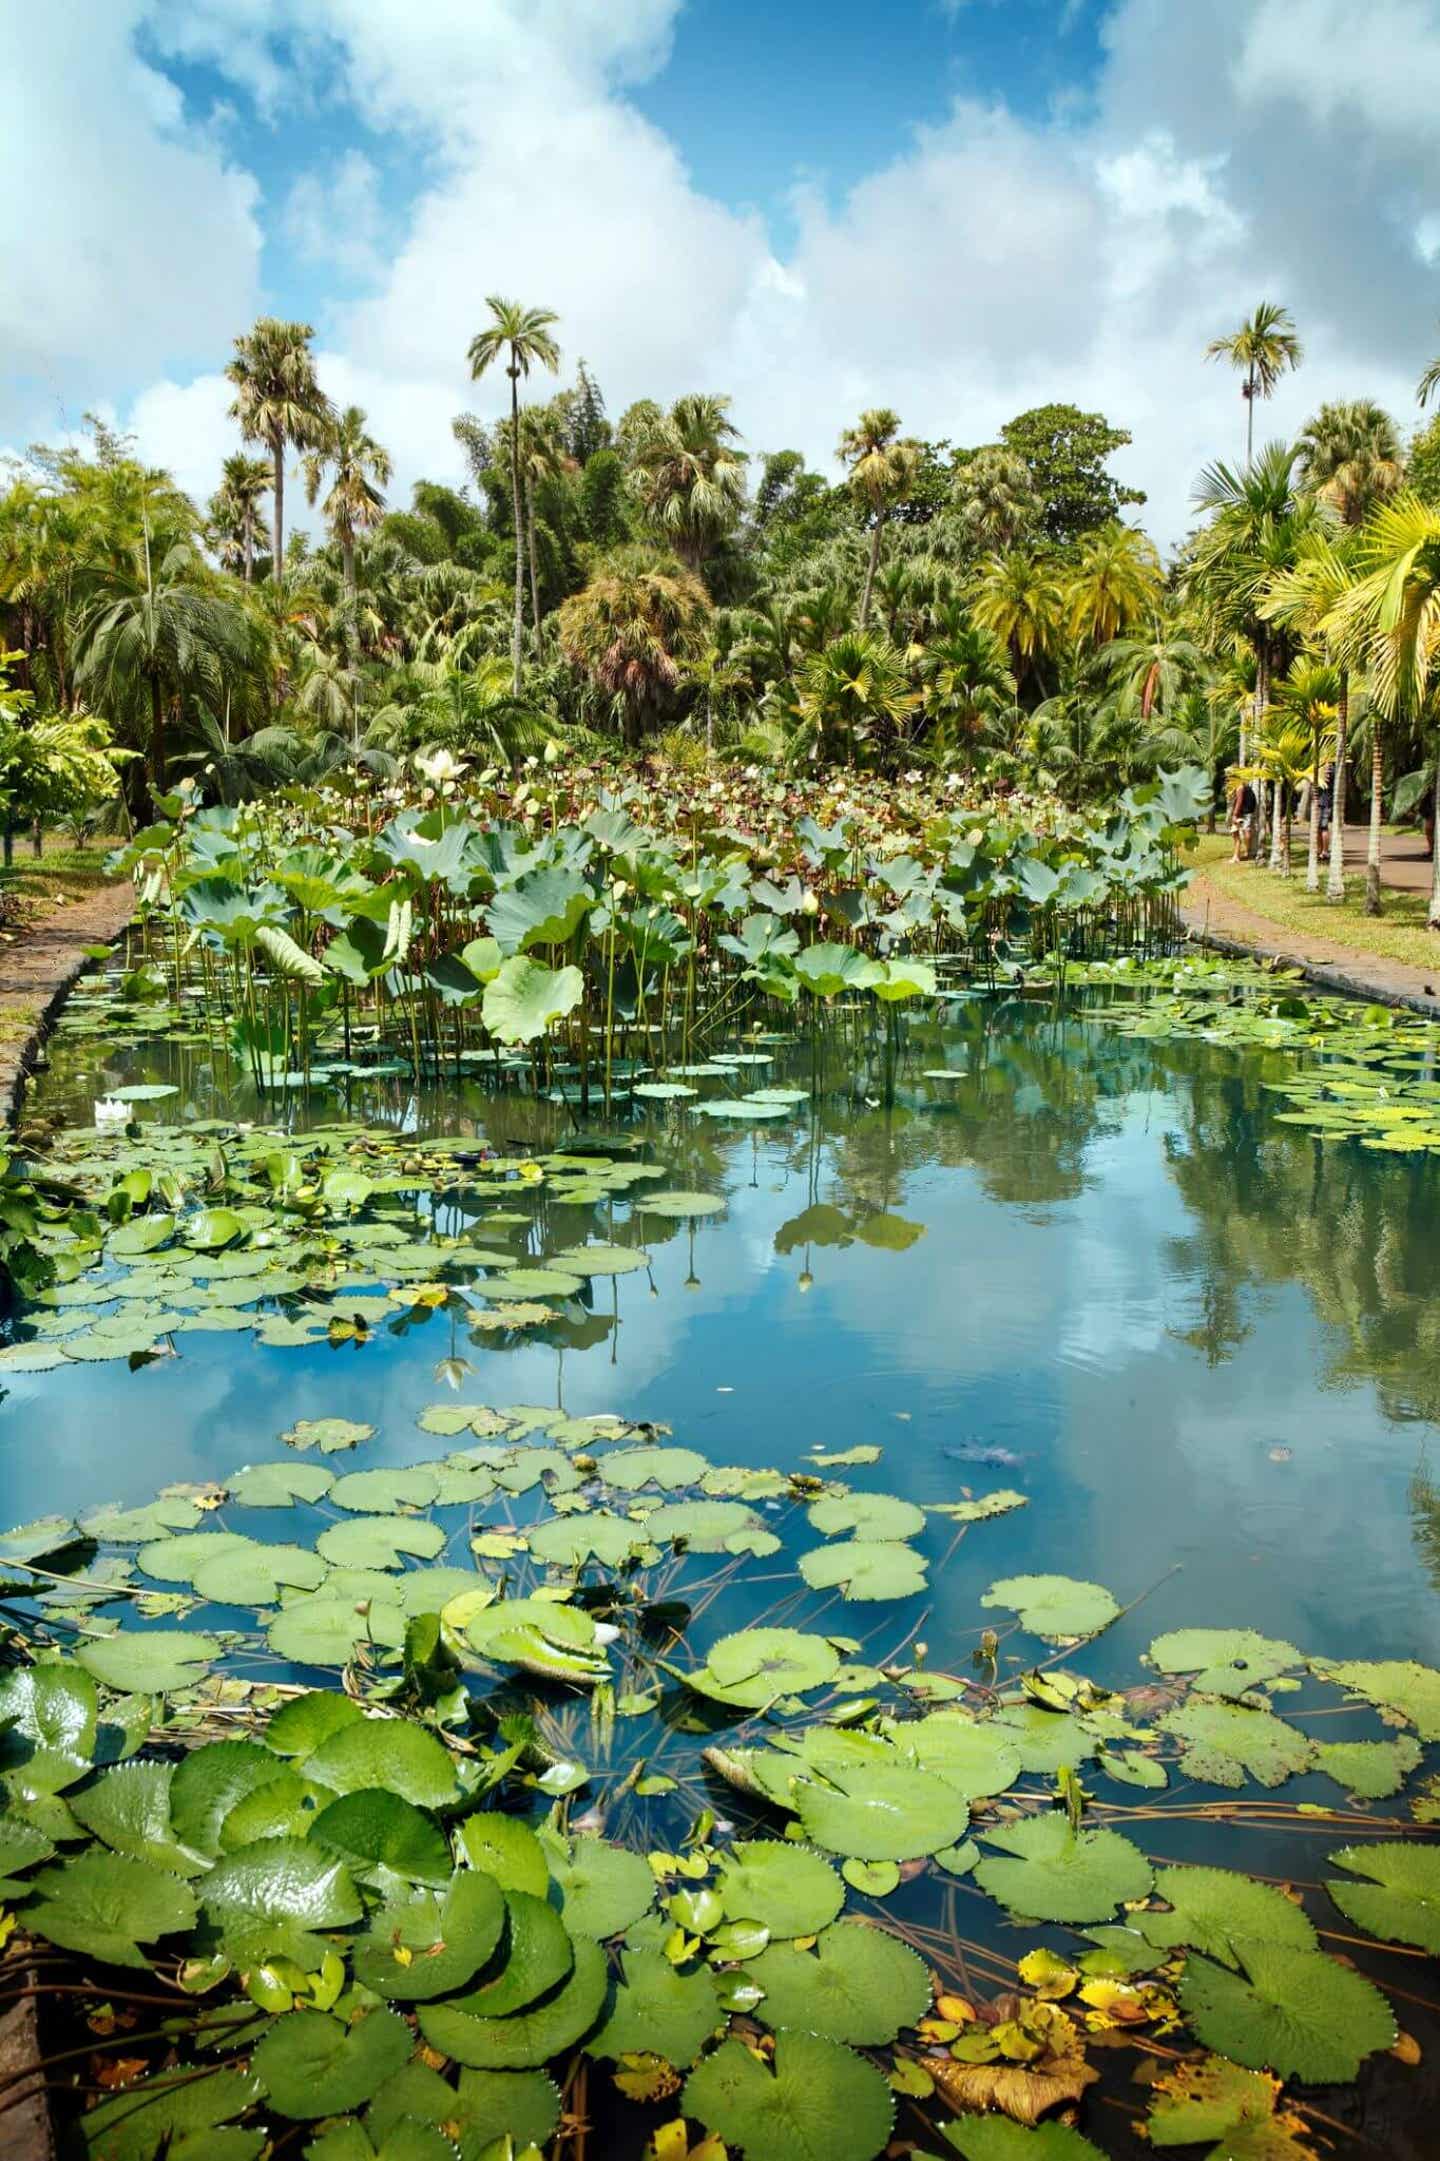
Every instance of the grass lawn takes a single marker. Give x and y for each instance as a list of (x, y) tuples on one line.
[(34, 883), (1400, 934)]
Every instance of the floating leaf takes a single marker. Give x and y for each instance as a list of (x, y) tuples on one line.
[(329, 1435), (868, 1515), (657, 2008), (128, 1807), (269, 1896), (1401, 1902), (993, 2138), (105, 1906), (386, 1752), (172, 2112), (210, 1782), (1226, 1743), (311, 2064), (418, 1948), (381, 1835), (252, 1573), (681, 1204), (881, 1812), (507, 1849), (629, 1469), (1394, 1684), (1224, 1661), (859, 1985), (379, 1541), (1219, 1912), (1056, 1873), (818, 2102), (976, 1759), (324, 1630), (535, 1956), (603, 1888), (1197, 2102), (385, 1492), (865, 1569), (1296, 2013), (787, 1888), (1371, 1769), (530, 2037), (1058, 1608), (278, 1485), (148, 1662), (52, 1705), (755, 1666)]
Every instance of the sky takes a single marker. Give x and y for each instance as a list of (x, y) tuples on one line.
[(960, 208)]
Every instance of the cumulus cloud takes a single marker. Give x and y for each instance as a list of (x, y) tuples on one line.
[(1259, 150)]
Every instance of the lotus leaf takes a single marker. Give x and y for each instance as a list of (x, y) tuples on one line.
[(865, 1569), (818, 2102), (52, 1705), (1296, 2013), (533, 1959), (1058, 1608), (526, 2038), (270, 1896), (542, 1637), (487, 2106), (311, 2064), (660, 2011), (298, 1727), (977, 1760), (603, 1888), (860, 1985), (1220, 1913), (525, 997), (1401, 1902), (1226, 1743), (1047, 1871), (105, 1905), (383, 1837), (787, 1888), (1224, 1661), (448, 1938)]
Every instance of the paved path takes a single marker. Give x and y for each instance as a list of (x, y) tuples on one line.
[(38, 967), (1231, 927)]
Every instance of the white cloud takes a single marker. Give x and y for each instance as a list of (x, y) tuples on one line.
[(1275, 148)]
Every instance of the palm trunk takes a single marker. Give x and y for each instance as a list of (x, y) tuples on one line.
[(1250, 420), (1433, 915), (518, 627), (1262, 706), (870, 571), (347, 561), (277, 567), (1312, 858), (1377, 789), (157, 739), (1335, 882), (1279, 831), (534, 578), (247, 531)]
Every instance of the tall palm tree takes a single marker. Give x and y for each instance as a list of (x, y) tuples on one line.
[(1350, 456), (544, 457), (522, 334), (996, 500), (1018, 598), (969, 689), (359, 468), (633, 631), (235, 510), (880, 465), (1389, 621), (1303, 598), (1310, 694), (1262, 349), (1114, 584), (1429, 383), (279, 402), (688, 477)]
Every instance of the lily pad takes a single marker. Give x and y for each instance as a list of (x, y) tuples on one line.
[(1370, 1769), (1224, 1661), (1394, 1684), (418, 1948), (311, 2064), (868, 1515), (105, 1906), (1296, 2013), (380, 1541), (1059, 1608), (1216, 1911), (251, 1574), (329, 1435), (787, 1888), (1401, 1900), (1047, 1871), (278, 1485), (1226, 1743), (865, 1569), (603, 1888), (382, 1837), (881, 1812), (128, 1807), (628, 1469), (994, 2138), (680, 1204), (391, 1753), (271, 1896), (859, 1985), (323, 1631), (148, 1662), (659, 2010), (1197, 2103), (755, 1666), (527, 2038), (818, 2101)]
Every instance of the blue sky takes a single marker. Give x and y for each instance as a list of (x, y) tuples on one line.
[(956, 209)]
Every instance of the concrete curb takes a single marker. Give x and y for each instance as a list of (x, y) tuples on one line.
[(1325, 975), (18, 1063)]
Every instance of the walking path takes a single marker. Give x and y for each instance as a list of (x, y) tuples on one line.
[(37, 968)]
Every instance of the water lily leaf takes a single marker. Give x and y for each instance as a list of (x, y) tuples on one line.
[(507, 1849), (603, 1888), (386, 1752), (860, 1985), (881, 1812), (994, 2138), (382, 1837), (380, 1541), (629, 1469), (1048, 1872), (148, 1663), (269, 1897), (128, 1807), (1393, 1684), (172, 2112), (1370, 1769), (52, 1705), (1226, 1743), (787, 1888), (681, 1204), (329, 1435), (1296, 2013), (659, 2011), (1401, 1901), (1224, 1661), (819, 2101), (1058, 1608), (705, 1526), (868, 1515), (175, 1559), (133, 1526), (448, 1938), (211, 1228), (142, 1234), (756, 1665), (976, 1759), (571, 1541), (980, 1509), (278, 1485), (299, 1726), (526, 2038), (321, 1630), (542, 1637), (251, 1573), (865, 1569), (105, 1905), (22, 1846), (487, 2106), (311, 2064), (1197, 2102), (601, 1260), (210, 1782), (385, 1492), (1219, 1912)]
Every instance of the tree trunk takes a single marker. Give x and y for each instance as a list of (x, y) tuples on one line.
[(870, 571), (1312, 857), (247, 534), (347, 561), (1377, 790), (1433, 915), (534, 577), (1262, 707), (157, 739), (277, 566), (518, 626), (1250, 420), (1335, 882), (1279, 830)]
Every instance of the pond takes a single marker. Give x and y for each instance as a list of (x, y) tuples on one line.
[(1008, 1247)]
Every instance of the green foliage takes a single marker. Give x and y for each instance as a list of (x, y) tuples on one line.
[(1066, 453)]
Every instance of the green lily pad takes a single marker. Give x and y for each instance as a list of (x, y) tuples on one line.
[(1296, 2013), (271, 1896), (859, 1985), (535, 1956), (506, 1848), (1219, 1912), (603, 1888), (595, 1534), (680, 1204), (329, 1435), (278, 1485), (149, 1662), (1046, 1871), (817, 2102), (1370, 1769), (1224, 1661), (1058, 1608), (867, 1515), (553, 1640), (321, 1630), (172, 2112), (881, 1812), (659, 2010), (128, 1807), (1212, 2100), (381, 1837), (311, 2064), (1395, 1684), (865, 1569), (1226, 1743), (787, 1888), (527, 2038), (52, 1705), (210, 1782), (756, 1665), (104, 1906), (175, 1559), (392, 1753), (994, 2138), (385, 1492), (1401, 1901), (628, 1469), (485, 2107), (704, 1526), (209, 1229), (380, 1541), (977, 1759), (252, 1573), (448, 1938)]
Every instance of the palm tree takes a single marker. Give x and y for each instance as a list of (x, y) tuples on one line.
[(854, 690), (1302, 598), (1429, 383), (996, 499), (968, 688), (1350, 456), (279, 403), (1262, 349), (523, 334), (235, 508), (1389, 622), (1311, 694), (633, 631), (152, 632), (359, 467), (543, 457), (1018, 598), (1114, 584), (881, 466), (688, 479), (1154, 672)]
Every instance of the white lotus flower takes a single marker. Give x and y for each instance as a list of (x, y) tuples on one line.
[(110, 1111)]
